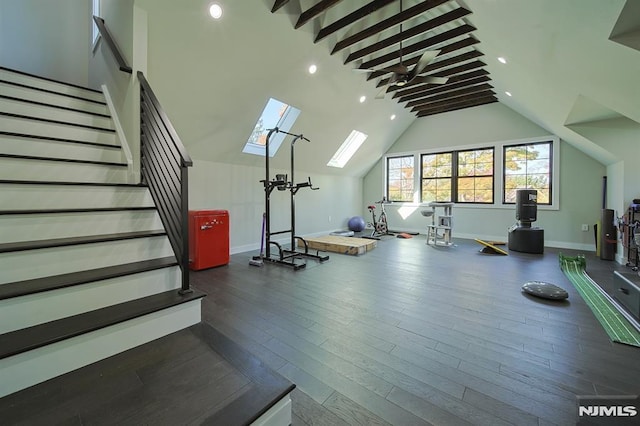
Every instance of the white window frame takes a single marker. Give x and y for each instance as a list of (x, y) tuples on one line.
[(95, 33)]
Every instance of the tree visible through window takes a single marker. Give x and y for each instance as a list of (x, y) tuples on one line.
[(400, 178), (475, 176), (528, 166), (437, 177)]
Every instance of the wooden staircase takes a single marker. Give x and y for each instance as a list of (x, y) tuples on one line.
[(86, 268)]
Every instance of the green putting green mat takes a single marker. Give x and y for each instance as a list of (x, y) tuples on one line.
[(615, 324)]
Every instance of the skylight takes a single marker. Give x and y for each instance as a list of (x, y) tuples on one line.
[(275, 114), (347, 149)]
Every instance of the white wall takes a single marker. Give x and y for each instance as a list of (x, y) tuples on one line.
[(580, 178), (32, 31), (235, 188)]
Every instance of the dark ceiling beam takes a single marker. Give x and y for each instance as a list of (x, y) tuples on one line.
[(449, 102), (363, 12), (446, 73), (421, 45), (278, 4), (440, 64), (387, 23), (466, 42), (477, 102), (450, 95), (411, 32), (314, 11), (443, 87)]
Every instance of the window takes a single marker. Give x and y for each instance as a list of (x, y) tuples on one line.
[(467, 176), (400, 178), (437, 177), (528, 166), (275, 114), (95, 11), (347, 149), (458, 176), (475, 176)]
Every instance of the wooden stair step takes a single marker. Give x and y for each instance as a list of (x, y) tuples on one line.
[(49, 105), (63, 160), (38, 285), (59, 122), (69, 183), (30, 338), (49, 138), (78, 210), (60, 242)]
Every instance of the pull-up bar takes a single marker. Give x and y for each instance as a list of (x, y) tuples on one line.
[(286, 257)]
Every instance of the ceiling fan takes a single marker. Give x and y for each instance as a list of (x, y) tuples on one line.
[(401, 73)]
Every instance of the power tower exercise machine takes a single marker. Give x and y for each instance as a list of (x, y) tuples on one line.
[(284, 256)]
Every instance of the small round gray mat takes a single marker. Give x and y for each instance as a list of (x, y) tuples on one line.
[(545, 290)]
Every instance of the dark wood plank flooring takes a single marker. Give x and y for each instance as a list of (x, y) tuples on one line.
[(406, 334), (410, 334)]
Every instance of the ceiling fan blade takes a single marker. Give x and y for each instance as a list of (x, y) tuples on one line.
[(382, 92), (422, 63), (400, 69), (363, 70)]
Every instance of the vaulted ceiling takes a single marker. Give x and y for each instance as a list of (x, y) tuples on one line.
[(425, 55), (572, 66)]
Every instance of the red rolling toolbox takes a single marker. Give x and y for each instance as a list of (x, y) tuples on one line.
[(208, 238)]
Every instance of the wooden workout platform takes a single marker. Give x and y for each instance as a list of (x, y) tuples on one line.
[(343, 245)]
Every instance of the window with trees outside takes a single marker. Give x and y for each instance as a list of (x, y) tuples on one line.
[(458, 176), (437, 177), (528, 166), (400, 178), (475, 176)]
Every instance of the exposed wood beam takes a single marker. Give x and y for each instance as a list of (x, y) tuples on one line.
[(469, 104), (430, 87), (314, 11), (364, 11), (440, 64), (458, 100), (450, 95), (387, 23), (421, 45), (411, 32), (466, 42), (442, 89), (278, 4)]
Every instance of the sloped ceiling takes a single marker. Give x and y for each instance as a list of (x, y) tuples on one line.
[(214, 77)]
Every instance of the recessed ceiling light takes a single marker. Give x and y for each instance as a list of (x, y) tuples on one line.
[(313, 69), (393, 117), (362, 99), (502, 60), (508, 93), (215, 10)]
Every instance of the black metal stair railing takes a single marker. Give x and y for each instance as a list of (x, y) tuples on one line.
[(164, 163), (164, 166)]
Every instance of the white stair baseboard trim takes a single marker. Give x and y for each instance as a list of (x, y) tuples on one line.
[(27, 369), (120, 135), (278, 415)]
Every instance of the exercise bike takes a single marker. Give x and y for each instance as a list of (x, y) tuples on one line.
[(380, 224)]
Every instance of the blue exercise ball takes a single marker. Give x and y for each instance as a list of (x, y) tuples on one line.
[(356, 224)]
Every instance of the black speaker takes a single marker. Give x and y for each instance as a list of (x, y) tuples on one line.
[(608, 236), (526, 205)]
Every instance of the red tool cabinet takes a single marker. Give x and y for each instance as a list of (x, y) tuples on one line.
[(208, 238)]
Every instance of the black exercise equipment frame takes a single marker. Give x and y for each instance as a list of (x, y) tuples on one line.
[(285, 257)]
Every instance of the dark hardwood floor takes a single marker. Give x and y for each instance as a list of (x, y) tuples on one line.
[(411, 334), (406, 334)]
